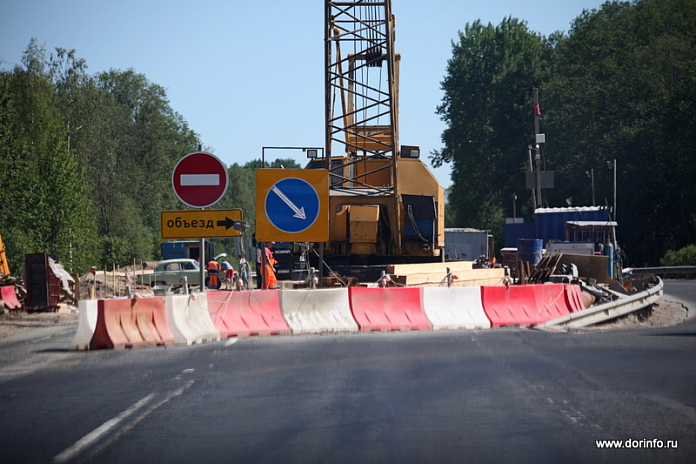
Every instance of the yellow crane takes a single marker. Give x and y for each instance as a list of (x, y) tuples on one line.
[(385, 204)]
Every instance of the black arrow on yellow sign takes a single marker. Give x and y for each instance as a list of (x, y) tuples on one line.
[(209, 223), (227, 223)]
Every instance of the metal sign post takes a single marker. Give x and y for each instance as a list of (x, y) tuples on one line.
[(199, 180)]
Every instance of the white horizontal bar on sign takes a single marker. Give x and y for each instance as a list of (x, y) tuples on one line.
[(199, 179)]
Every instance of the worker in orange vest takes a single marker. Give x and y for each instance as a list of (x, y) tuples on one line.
[(213, 268), (270, 280)]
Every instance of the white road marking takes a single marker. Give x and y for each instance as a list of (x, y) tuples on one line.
[(100, 431), (94, 435)]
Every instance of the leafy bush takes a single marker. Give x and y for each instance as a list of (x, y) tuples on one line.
[(683, 257)]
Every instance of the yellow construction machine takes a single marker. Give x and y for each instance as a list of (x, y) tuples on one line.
[(386, 207), (4, 266)]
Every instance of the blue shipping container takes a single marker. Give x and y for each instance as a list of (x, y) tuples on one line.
[(551, 222), (514, 232)]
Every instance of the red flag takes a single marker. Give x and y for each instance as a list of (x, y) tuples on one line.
[(537, 110)]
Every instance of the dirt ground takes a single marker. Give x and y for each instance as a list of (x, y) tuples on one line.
[(109, 283), (16, 322), (662, 314), (105, 284)]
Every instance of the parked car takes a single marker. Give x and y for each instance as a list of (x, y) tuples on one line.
[(172, 272)]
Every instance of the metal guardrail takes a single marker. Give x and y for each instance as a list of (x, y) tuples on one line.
[(662, 270), (610, 310)]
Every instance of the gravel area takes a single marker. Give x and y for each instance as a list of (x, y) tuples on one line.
[(17, 322)]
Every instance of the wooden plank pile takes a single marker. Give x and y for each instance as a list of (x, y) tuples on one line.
[(435, 274)]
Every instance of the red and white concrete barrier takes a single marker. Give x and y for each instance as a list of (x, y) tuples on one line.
[(317, 311), (454, 308)]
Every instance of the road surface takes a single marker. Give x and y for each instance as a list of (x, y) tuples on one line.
[(682, 291), (499, 395)]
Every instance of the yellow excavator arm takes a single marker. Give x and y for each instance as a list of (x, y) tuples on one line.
[(4, 266)]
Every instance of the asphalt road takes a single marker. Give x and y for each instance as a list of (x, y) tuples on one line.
[(682, 291), (499, 395)]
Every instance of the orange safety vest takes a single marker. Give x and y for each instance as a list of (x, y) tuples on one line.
[(213, 268), (271, 280)]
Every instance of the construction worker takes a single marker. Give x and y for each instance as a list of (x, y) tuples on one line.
[(270, 280), (213, 268), (228, 273)]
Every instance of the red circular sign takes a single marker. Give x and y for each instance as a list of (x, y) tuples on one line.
[(199, 179)]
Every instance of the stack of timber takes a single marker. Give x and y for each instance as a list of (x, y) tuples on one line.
[(435, 274), (340, 281)]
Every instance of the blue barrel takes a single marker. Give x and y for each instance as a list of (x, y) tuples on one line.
[(529, 250)]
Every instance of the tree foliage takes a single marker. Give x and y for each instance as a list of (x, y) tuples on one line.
[(43, 203), (86, 163), (619, 86), (86, 160), (683, 257), (486, 107)]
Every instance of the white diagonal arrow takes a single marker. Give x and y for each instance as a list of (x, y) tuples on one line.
[(299, 212)]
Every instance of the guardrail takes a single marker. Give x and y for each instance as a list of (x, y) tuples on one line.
[(610, 310), (662, 270)]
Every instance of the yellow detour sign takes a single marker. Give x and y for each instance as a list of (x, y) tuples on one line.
[(210, 223), (292, 205)]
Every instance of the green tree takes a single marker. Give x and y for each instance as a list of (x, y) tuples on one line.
[(623, 89), (44, 203), (488, 110), (16, 178), (88, 158), (284, 163), (132, 143)]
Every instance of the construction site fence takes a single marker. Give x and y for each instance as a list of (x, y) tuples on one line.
[(142, 322)]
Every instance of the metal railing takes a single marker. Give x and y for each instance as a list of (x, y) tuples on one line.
[(662, 270), (609, 310)]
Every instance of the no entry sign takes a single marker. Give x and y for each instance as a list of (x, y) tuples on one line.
[(199, 179)]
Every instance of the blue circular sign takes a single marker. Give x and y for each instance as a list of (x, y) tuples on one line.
[(292, 205)]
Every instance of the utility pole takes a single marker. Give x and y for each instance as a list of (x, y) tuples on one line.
[(531, 169), (614, 164), (538, 154), (590, 175), (593, 194)]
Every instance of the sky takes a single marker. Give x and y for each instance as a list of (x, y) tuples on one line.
[(250, 74)]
